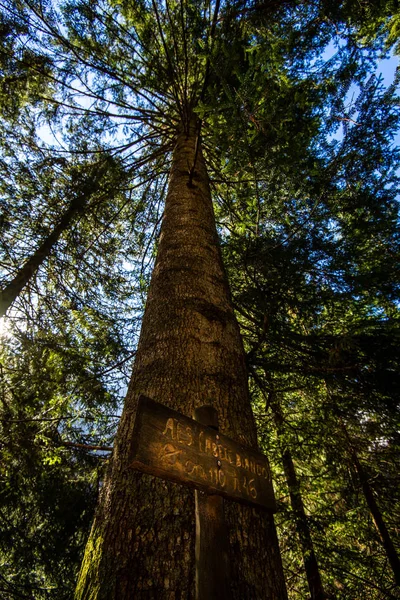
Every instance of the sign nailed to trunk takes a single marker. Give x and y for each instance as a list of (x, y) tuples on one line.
[(172, 446)]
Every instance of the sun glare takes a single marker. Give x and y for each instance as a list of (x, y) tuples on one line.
[(4, 329)]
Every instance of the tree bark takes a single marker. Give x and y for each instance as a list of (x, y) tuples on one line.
[(307, 547), (376, 514), (190, 353), (12, 290), (77, 205)]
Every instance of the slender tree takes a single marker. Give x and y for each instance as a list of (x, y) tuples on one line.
[(307, 547), (373, 507), (85, 190)]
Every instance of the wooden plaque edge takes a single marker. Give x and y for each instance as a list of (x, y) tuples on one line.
[(144, 401)]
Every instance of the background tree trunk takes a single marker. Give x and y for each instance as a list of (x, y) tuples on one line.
[(376, 514), (190, 353), (11, 291), (303, 530), (79, 203)]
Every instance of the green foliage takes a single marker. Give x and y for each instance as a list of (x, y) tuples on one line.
[(316, 289), (48, 488), (304, 176)]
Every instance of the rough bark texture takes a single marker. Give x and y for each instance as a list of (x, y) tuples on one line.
[(190, 353), (307, 547)]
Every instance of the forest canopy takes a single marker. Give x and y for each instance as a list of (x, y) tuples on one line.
[(299, 133)]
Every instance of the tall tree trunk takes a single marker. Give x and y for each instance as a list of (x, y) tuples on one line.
[(307, 548), (77, 205), (142, 543), (11, 291), (376, 514)]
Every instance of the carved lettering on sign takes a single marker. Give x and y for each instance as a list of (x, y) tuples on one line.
[(169, 454), (178, 432), (172, 446)]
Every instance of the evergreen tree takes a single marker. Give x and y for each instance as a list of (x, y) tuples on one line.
[(230, 92)]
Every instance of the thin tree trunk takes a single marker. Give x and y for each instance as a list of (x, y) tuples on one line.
[(307, 548), (11, 291), (142, 543), (376, 514), (77, 205)]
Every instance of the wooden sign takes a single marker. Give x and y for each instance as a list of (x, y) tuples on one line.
[(172, 446)]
